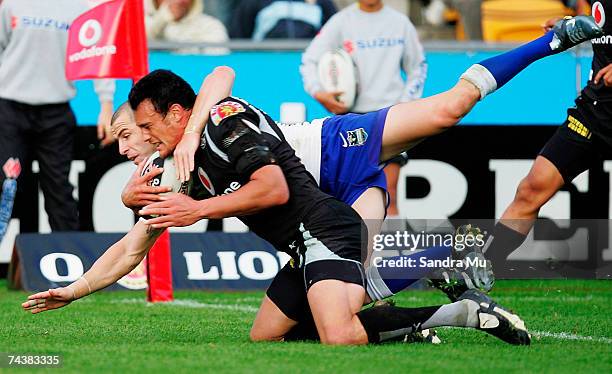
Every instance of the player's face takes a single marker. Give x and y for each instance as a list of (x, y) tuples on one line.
[(163, 132), (131, 141)]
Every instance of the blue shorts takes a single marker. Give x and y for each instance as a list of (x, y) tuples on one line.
[(350, 154)]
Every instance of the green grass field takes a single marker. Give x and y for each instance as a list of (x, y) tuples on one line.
[(571, 322)]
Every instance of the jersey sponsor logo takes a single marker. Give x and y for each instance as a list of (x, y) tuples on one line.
[(606, 39), (379, 43), (577, 127), (205, 179), (354, 138), (233, 187), (227, 109), (599, 14), (90, 33), (12, 168), (39, 22)]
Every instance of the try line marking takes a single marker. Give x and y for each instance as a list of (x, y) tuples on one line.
[(568, 336), (189, 303)]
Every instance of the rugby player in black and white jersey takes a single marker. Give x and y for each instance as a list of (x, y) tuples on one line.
[(138, 193), (248, 159), (583, 139), (249, 171)]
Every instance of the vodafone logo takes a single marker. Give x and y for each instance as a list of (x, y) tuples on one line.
[(90, 33), (206, 181), (599, 14)]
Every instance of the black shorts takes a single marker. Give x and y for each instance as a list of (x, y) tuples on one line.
[(581, 140), (332, 237)]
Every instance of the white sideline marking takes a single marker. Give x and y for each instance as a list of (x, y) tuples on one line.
[(567, 299), (568, 336), (189, 303)]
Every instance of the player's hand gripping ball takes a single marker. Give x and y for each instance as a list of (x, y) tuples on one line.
[(168, 177)]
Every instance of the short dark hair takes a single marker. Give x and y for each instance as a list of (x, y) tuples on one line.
[(163, 88)]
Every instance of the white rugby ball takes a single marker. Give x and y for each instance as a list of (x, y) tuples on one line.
[(168, 177), (337, 72)]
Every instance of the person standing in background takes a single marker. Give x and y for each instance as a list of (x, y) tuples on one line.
[(183, 21), (273, 19), (383, 44), (36, 121)]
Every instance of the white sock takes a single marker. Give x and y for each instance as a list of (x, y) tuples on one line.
[(375, 286), (463, 313), (482, 78)]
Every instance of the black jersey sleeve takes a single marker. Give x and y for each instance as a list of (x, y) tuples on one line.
[(240, 139)]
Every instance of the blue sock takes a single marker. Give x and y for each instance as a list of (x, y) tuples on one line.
[(507, 65), (398, 278)]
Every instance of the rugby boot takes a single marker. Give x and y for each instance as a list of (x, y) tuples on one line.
[(498, 321), (571, 31)]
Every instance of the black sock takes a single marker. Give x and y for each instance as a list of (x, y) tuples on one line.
[(505, 241), (387, 322)]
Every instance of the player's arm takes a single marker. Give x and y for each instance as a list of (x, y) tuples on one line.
[(121, 258), (215, 87), (266, 188)]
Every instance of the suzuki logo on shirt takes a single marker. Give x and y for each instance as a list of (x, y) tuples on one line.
[(374, 43), (39, 22)]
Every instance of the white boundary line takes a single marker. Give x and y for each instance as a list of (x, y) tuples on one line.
[(190, 303), (568, 336)]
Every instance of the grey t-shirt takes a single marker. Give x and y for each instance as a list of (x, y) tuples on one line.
[(33, 38), (382, 44)]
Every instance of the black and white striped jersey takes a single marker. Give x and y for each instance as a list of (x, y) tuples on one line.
[(238, 140)]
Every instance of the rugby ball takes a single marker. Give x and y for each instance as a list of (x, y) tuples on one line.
[(337, 72), (168, 177)]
